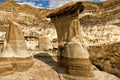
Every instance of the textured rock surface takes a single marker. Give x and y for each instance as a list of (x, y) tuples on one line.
[(71, 51), (101, 32), (45, 44), (45, 68), (14, 56), (22, 13), (100, 26), (39, 71), (106, 57)]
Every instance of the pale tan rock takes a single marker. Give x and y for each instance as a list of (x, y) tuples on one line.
[(73, 55), (17, 41), (14, 56), (75, 50), (45, 68), (45, 44), (32, 44), (39, 71)]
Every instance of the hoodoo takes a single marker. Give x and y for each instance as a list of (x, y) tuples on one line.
[(14, 56), (73, 54)]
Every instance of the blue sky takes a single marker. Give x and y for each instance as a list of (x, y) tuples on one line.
[(38, 3), (49, 3), (2, 0)]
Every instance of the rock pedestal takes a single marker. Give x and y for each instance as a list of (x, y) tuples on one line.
[(75, 60), (73, 55), (14, 56)]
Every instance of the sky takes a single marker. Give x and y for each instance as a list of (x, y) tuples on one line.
[(49, 3), (2, 0)]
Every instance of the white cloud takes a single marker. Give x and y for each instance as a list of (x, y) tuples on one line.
[(39, 5), (27, 2), (52, 3), (31, 2), (58, 3)]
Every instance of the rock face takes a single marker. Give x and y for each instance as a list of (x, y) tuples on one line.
[(101, 33), (22, 13), (99, 23), (100, 30), (14, 56), (106, 57)]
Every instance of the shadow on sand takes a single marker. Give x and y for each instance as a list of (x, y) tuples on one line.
[(48, 59)]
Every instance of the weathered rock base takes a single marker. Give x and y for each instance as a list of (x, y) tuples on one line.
[(77, 67), (45, 68), (10, 65)]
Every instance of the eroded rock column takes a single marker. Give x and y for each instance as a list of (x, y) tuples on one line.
[(73, 54), (14, 56)]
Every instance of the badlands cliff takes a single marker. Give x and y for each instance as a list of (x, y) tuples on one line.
[(100, 29)]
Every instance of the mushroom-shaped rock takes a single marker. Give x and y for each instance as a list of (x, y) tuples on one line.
[(73, 54)]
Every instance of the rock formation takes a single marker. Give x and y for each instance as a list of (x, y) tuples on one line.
[(45, 44), (32, 20), (17, 9), (14, 56), (73, 54), (101, 33)]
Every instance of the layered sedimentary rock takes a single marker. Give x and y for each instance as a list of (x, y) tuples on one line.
[(33, 24), (73, 55), (106, 57), (14, 56), (101, 33), (22, 13)]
